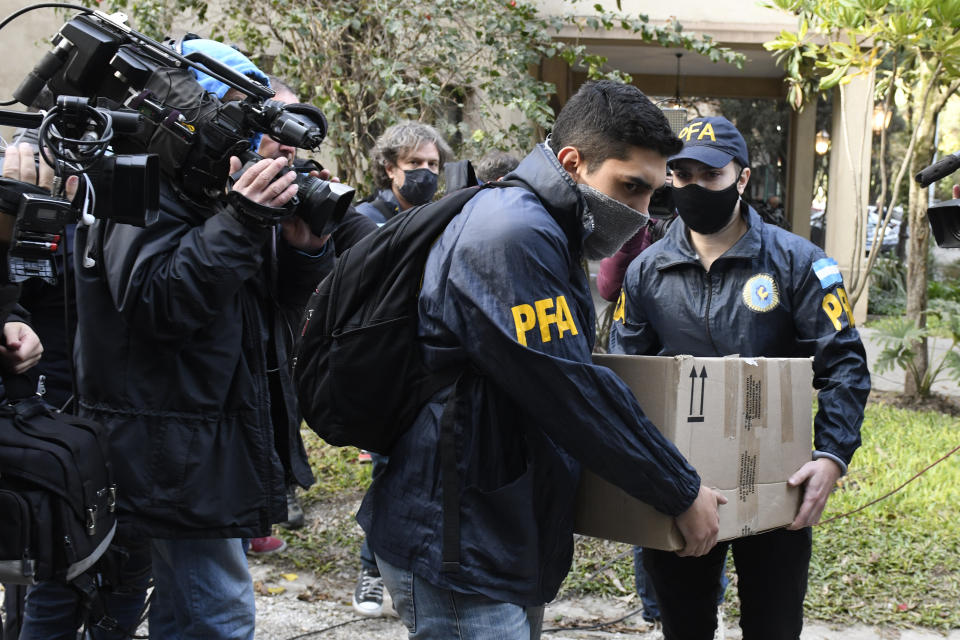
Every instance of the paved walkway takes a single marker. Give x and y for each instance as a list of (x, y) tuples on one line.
[(893, 380)]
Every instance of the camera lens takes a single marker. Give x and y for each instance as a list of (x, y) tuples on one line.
[(322, 203)]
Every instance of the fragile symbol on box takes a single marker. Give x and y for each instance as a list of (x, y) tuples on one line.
[(693, 385)]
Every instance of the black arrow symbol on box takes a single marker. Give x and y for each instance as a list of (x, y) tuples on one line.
[(703, 386), (693, 383)]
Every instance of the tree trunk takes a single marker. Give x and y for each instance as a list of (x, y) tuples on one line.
[(917, 248)]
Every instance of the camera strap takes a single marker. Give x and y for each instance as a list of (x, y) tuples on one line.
[(253, 214), (11, 190)]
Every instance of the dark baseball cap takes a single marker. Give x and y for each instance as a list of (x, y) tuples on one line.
[(713, 141)]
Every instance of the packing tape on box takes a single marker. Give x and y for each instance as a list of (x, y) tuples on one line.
[(786, 403), (731, 398), (750, 384)]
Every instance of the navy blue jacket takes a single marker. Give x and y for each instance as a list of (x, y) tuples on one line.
[(372, 211), (772, 294), (504, 293)]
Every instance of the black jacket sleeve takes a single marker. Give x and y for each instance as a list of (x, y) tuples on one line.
[(824, 323)]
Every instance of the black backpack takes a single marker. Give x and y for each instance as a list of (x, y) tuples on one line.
[(57, 494), (357, 367)]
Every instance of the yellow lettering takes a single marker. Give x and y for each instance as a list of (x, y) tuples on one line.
[(834, 309), (707, 131), (689, 130), (846, 304), (524, 319), (565, 318), (544, 318), (618, 312)]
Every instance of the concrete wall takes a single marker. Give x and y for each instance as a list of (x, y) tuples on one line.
[(732, 22), (23, 43)]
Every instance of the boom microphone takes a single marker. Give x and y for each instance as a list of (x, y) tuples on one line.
[(938, 170)]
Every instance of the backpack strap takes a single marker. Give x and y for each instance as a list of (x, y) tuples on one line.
[(93, 608)]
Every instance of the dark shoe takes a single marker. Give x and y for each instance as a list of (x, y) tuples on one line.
[(295, 517), (368, 596), (265, 545)]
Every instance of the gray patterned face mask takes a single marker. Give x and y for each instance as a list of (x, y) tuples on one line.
[(613, 223)]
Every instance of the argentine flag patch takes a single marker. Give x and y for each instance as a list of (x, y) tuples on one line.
[(828, 272)]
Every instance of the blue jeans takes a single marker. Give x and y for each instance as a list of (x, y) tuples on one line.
[(431, 613), (203, 590), (52, 610), (648, 595), (367, 561)]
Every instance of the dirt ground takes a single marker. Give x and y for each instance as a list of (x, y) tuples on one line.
[(940, 403), (293, 604)]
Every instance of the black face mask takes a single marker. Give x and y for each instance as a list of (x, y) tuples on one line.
[(703, 210), (419, 185)]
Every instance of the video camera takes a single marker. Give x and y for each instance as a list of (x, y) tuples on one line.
[(129, 109), (944, 216)]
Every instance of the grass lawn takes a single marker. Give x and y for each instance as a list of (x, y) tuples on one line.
[(895, 563)]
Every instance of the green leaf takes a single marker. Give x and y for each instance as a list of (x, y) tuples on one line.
[(831, 80)]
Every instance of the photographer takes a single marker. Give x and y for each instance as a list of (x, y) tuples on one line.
[(181, 351), (21, 350), (21, 347), (51, 305), (353, 227)]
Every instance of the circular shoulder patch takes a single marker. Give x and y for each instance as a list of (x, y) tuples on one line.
[(760, 293)]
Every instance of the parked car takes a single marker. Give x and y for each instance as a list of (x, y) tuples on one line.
[(891, 234)]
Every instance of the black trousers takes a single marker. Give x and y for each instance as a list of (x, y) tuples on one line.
[(772, 573), (13, 605)]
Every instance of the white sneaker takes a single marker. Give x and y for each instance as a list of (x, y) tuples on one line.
[(657, 632), (368, 596)]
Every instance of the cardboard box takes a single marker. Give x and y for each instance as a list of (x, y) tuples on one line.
[(744, 424)]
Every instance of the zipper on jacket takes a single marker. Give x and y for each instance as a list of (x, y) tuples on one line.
[(707, 318)]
